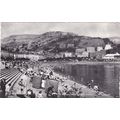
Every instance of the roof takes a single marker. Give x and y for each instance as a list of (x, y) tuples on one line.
[(112, 55)]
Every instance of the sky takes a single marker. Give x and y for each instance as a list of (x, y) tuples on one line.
[(88, 29)]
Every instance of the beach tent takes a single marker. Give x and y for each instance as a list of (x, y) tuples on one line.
[(2, 66), (37, 81), (50, 83)]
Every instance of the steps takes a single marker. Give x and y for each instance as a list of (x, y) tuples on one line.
[(11, 76)]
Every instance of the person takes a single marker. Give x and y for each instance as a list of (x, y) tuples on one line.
[(96, 89), (43, 83), (66, 88), (79, 92), (8, 89), (92, 83), (21, 86), (49, 91), (40, 95), (63, 93), (89, 85), (51, 73), (30, 93), (3, 86), (54, 94), (74, 87)]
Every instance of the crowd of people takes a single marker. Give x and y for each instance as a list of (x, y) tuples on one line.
[(28, 68), (70, 91), (33, 69)]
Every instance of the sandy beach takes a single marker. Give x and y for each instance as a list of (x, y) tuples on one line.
[(63, 81), (86, 92)]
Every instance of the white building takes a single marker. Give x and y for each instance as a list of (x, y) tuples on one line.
[(111, 56), (84, 54), (70, 45), (108, 57), (99, 48), (33, 57), (108, 47), (27, 56), (68, 54)]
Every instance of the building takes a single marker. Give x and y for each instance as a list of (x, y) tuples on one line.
[(79, 55), (117, 56), (4, 54), (68, 54), (83, 54), (108, 57), (92, 55), (70, 45), (99, 48), (58, 56), (90, 49), (33, 57), (79, 50), (111, 56), (50, 55), (27, 56), (108, 47), (100, 54), (62, 54), (62, 46), (97, 54), (19, 56)]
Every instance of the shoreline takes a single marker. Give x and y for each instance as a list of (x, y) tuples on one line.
[(86, 92), (80, 63), (63, 80), (94, 63)]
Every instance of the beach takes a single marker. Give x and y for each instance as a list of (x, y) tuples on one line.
[(66, 86), (66, 80)]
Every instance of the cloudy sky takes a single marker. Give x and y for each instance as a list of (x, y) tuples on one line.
[(88, 29)]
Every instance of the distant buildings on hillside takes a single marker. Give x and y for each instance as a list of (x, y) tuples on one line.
[(111, 56), (98, 52), (92, 52), (108, 47), (33, 57), (90, 49), (99, 48)]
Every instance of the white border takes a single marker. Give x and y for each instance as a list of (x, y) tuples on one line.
[(59, 11)]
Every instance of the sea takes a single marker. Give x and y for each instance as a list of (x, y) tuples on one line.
[(105, 76)]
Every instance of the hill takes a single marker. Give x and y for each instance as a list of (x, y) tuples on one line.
[(54, 41), (115, 40)]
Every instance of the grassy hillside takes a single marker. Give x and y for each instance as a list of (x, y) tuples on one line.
[(51, 42)]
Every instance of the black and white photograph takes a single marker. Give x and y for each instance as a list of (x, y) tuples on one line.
[(60, 60)]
